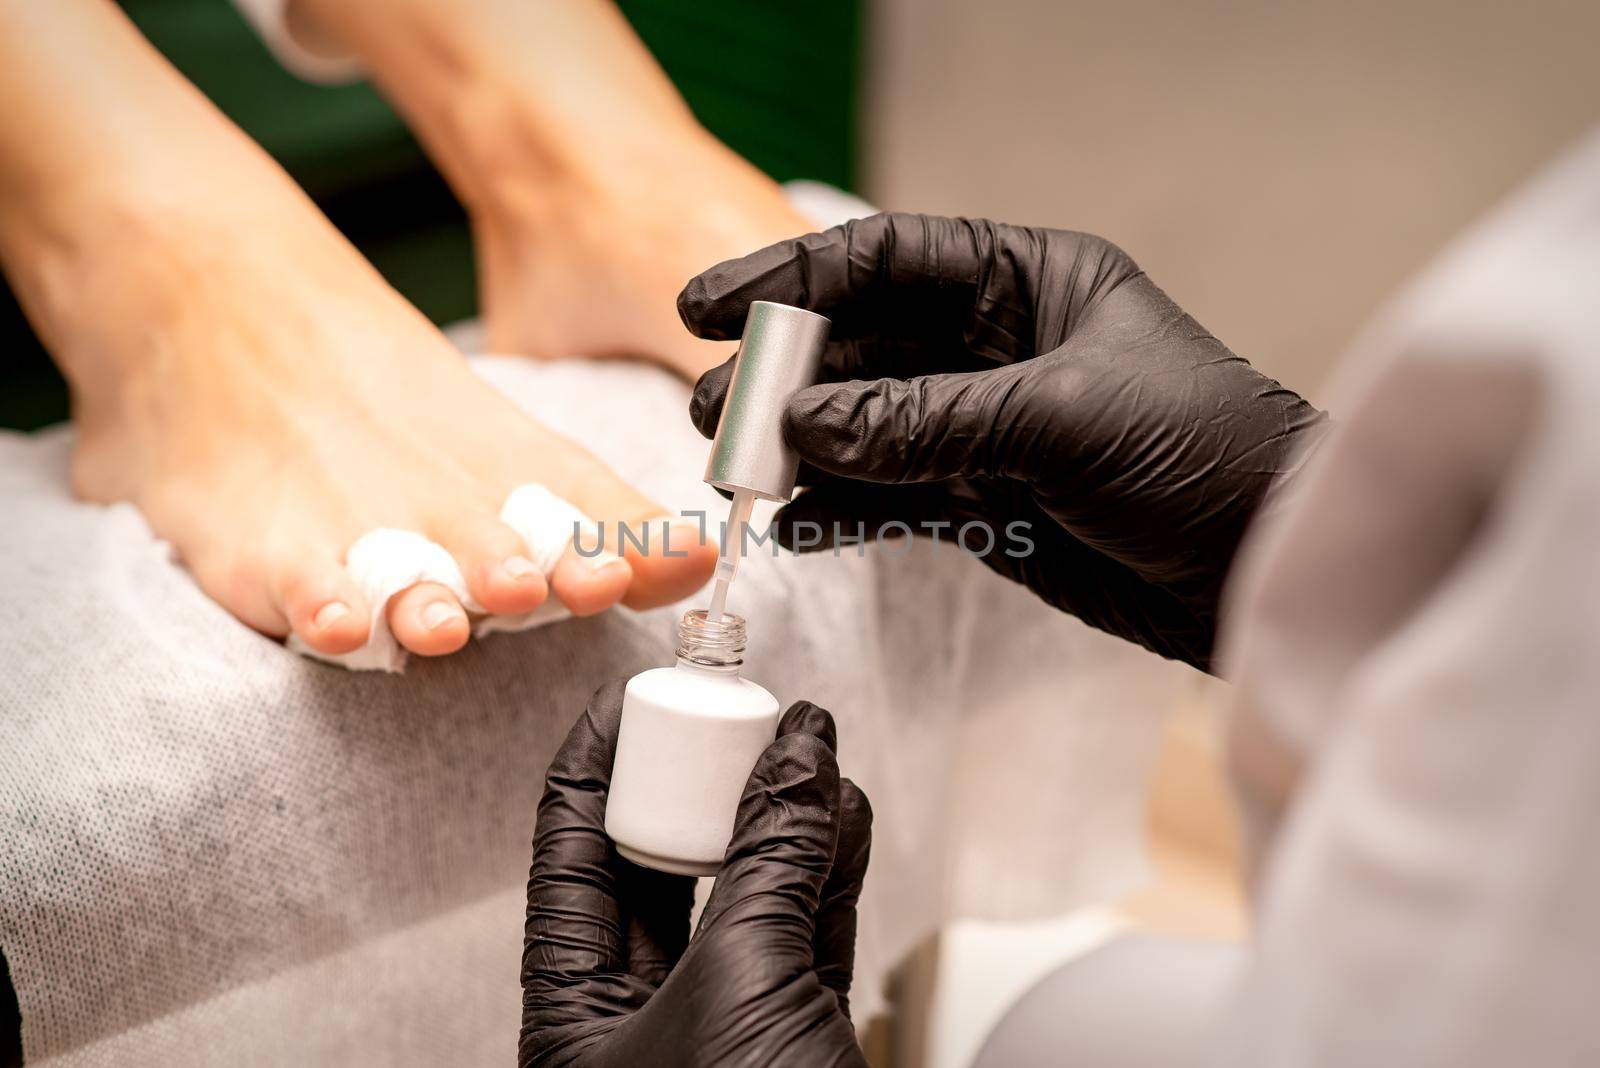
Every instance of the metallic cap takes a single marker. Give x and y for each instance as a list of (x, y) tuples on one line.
[(780, 354)]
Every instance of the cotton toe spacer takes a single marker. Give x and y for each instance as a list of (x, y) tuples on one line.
[(384, 562)]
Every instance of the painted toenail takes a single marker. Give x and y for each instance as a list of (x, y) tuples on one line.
[(520, 567), (600, 561), (329, 614), (437, 614)]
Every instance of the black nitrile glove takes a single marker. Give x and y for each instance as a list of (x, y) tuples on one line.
[(994, 374), (610, 976)]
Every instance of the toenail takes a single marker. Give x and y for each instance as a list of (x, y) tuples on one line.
[(520, 567), (600, 561), (329, 614), (437, 614)]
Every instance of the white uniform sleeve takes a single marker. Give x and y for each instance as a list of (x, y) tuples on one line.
[(1413, 643), (298, 47)]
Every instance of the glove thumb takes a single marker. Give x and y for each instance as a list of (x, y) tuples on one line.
[(784, 839)]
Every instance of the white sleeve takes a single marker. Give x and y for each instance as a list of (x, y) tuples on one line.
[(1413, 650), (298, 47)]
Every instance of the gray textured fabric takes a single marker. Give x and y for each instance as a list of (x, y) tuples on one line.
[(213, 849)]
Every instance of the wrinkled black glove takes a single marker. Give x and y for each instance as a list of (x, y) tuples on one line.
[(994, 374), (610, 976)]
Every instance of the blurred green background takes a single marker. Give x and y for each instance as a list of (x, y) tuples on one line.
[(775, 81)]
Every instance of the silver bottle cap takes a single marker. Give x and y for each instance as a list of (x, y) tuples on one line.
[(780, 353)]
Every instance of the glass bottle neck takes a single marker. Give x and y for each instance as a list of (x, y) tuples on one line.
[(711, 646), (702, 668)]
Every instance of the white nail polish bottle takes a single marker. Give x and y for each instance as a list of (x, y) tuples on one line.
[(691, 734), (689, 738)]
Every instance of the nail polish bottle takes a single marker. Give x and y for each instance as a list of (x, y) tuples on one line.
[(690, 736)]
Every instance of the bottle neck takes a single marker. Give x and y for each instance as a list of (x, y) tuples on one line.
[(712, 646), (730, 671)]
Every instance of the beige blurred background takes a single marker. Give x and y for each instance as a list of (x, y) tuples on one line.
[(1279, 168)]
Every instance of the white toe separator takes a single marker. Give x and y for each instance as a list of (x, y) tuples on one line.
[(385, 561), (547, 524)]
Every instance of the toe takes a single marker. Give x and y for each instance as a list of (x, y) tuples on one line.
[(428, 620), (494, 560), (662, 570), (590, 584), (670, 558), (323, 607)]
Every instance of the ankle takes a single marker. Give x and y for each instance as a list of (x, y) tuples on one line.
[(507, 95), (87, 266), (152, 289)]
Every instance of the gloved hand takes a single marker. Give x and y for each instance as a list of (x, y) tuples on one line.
[(994, 374), (610, 976)]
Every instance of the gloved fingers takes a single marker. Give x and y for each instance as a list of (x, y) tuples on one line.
[(999, 522), (783, 843), (578, 922), (656, 907), (803, 717), (980, 423), (705, 403), (834, 943), (837, 514), (890, 274), (878, 357)]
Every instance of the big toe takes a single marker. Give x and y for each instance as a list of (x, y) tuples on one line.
[(670, 558), (667, 558)]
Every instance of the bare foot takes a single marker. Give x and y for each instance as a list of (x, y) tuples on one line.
[(593, 192), (246, 379), (592, 266), (273, 401)]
